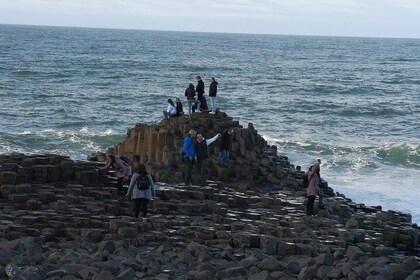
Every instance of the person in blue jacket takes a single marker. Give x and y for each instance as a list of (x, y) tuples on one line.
[(189, 154)]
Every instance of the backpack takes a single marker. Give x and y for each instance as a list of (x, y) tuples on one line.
[(125, 160), (305, 181), (143, 182)]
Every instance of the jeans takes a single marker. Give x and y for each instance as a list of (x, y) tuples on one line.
[(224, 156), (190, 102), (321, 197), (140, 204), (213, 103), (167, 115), (188, 170)]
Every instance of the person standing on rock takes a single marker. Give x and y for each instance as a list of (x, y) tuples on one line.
[(212, 94), (200, 93), (321, 190), (313, 187), (141, 190), (190, 94), (124, 171), (225, 145), (201, 147), (190, 155)]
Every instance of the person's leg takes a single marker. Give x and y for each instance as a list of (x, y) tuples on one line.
[(203, 171), (188, 170), (213, 103), (165, 114), (310, 205), (198, 104), (223, 156), (120, 185), (189, 106), (137, 206), (144, 202)]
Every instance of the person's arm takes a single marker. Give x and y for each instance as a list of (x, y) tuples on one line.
[(132, 183), (187, 144), (211, 140)]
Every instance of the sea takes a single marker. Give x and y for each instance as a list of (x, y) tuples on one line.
[(352, 102)]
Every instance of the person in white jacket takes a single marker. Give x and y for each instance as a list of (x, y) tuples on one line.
[(171, 110), (201, 147), (141, 197)]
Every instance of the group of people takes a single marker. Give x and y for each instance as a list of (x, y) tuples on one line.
[(314, 188), (195, 150), (141, 188), (199, 103)]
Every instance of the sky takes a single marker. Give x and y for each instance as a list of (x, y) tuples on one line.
[(361, 18)]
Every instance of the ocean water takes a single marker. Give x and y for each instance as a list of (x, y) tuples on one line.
[(353, 102)]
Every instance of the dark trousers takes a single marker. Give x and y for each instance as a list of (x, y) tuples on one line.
[(140, 204), (202, 167), (120, 184), (310, 205), (188, 170)]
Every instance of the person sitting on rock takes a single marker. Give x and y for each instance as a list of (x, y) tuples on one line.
[(190, 94), (141, 194), (171, 110), (201, 147), (179, 109), (124, 171), (313, 187)]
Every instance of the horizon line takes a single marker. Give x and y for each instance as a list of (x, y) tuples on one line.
[(211, 32)]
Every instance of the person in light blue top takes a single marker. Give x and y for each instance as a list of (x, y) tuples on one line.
[(190, 154), (141, 197)]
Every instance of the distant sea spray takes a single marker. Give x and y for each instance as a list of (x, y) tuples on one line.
[(353, 102)]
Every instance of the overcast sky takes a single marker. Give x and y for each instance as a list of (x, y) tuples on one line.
[(371, 18)]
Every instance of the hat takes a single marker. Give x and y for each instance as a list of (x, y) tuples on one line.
[(198, 77)]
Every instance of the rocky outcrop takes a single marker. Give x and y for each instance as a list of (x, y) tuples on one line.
[(68, 223), (253, 163)]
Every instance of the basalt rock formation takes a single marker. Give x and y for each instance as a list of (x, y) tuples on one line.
[(253, 163), (63, 219)]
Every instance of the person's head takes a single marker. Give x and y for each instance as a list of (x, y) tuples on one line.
[(136, 158), (316, 167), (231, 131), (200, 137), (192, 133), (177, 100), (212, 79), (141, 169), (170, 102), (198, 77), (111, 158), (191, 86)]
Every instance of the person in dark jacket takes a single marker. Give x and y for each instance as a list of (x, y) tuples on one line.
[(179, 110), (201, 147), (200, 93), (190, 94), (225, 145), (212, 94)]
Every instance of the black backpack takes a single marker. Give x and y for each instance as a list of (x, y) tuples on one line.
[(143, 182)]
